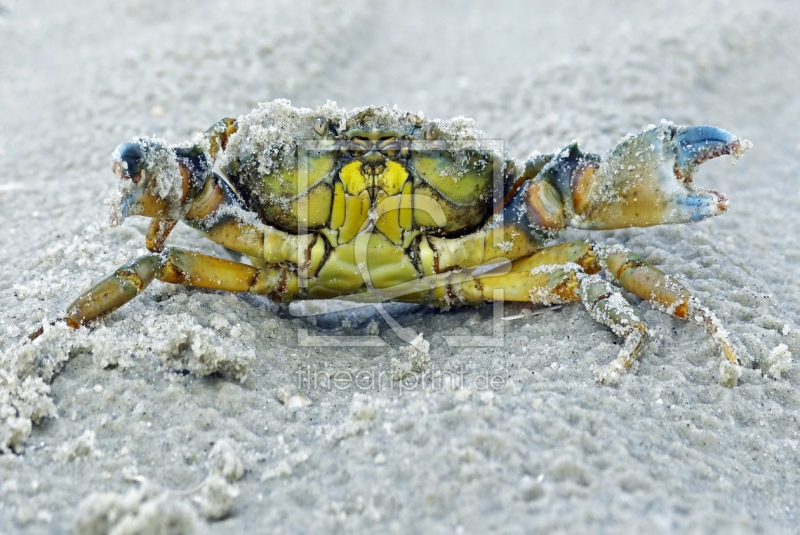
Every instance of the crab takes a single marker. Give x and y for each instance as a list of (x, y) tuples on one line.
[(378, 204)]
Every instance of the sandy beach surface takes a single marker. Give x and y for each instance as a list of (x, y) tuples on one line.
[(197, 411)]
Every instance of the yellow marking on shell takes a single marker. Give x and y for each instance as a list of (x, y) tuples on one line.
[(388, 220), (406, 207), (280, 246), (463, 188), (350, 175), (356, 211), (393, 179), (338, 211), (390, 181)]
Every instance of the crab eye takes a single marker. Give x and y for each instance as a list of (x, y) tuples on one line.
[(127, 161), (389, 147), (359, 146), (430, 132), (321, 125)]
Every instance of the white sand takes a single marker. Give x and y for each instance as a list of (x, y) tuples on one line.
[(668, 450)]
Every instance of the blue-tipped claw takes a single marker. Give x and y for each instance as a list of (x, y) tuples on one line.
[(647, 179), (698, 144)]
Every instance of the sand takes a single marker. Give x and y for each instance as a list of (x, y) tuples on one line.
[(196, 410)]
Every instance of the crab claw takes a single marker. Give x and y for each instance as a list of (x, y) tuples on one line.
[(646, 179), (150, 180), (698, 144)]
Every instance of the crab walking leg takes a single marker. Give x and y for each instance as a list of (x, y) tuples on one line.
[(178, 266), (651, 284), (576, 252), (549, 273), (606, 305), (548, 284), (560, 274)]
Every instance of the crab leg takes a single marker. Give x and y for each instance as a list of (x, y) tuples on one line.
[(567, 273), (178, 266), (643, 280), (218, 135), (607, 305), (158, 232)]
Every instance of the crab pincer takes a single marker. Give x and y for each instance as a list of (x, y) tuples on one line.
[(647, 179)]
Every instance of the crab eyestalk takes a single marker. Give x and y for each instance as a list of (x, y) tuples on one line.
[(645, 180)]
